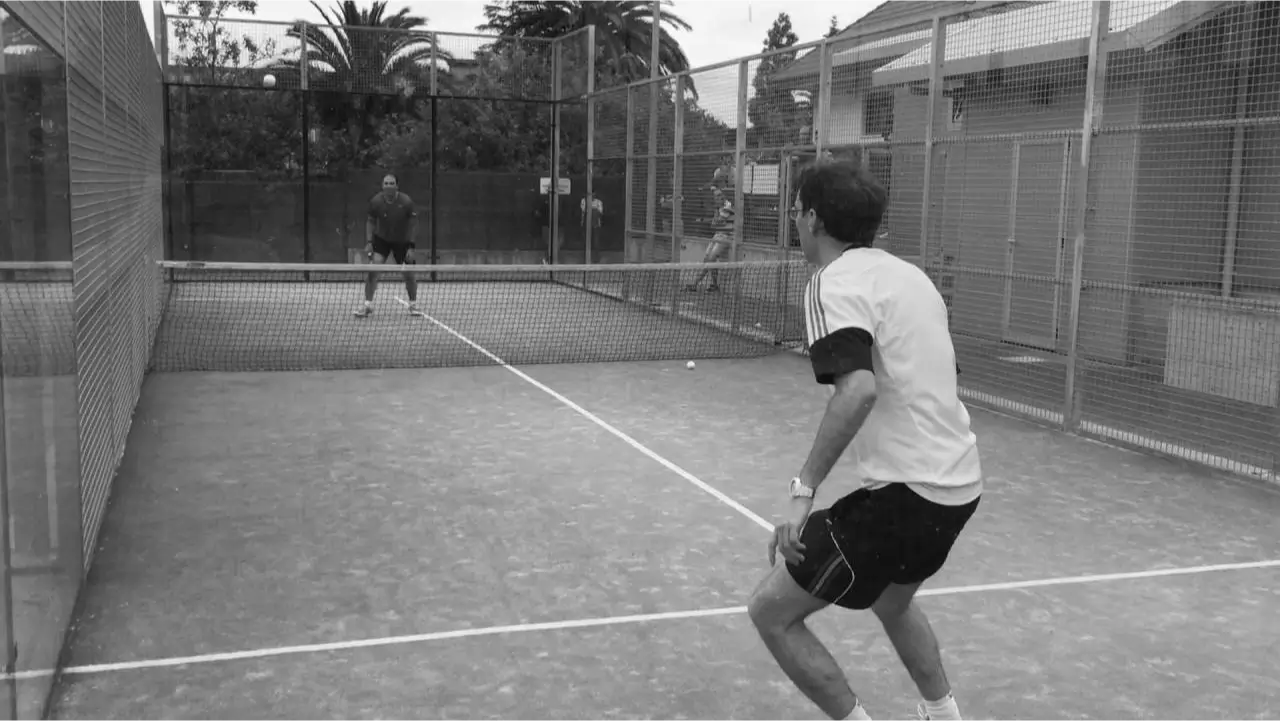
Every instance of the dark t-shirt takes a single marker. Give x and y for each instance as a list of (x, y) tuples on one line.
[(391, 219)]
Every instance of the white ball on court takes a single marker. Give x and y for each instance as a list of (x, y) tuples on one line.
[(269, 81), (689, 365)]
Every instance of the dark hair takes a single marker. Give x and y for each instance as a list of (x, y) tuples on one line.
[(846, 198)]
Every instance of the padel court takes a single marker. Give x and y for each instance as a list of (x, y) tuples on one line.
[(578, 540)]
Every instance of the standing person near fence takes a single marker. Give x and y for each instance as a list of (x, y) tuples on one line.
[(878, 334), (391, 231), (721, 242)]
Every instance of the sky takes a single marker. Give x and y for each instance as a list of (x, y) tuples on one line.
[(721, 29)]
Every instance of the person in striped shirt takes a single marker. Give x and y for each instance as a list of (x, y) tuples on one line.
[(721, 227)]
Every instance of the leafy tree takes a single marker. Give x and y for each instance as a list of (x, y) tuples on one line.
[(208, 49), (624, 32), (363, 66), (774, 112), (834, 29), (223, 128)]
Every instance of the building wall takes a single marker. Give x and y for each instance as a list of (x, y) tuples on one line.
[(1158, 196), (973, 192)]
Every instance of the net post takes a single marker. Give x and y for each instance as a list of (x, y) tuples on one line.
[(1095, 87), (933, 110)]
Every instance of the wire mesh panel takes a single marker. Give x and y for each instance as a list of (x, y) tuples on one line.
[(1179, 329), (575, 66), (327, 112), (235, 173), (497, 67), (1044, 213), (999, 157), (116, 134), (231, 53), (608, 170)]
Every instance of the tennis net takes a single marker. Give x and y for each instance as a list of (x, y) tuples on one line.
[(278, 317)]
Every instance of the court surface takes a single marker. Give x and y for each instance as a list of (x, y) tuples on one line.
[(579, 541)]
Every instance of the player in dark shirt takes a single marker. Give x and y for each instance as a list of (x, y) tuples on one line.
[(390, 232)]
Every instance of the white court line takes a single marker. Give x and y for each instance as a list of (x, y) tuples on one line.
[(595, 622), (603, 424)]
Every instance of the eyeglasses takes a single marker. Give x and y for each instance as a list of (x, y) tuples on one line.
[(794, 213)]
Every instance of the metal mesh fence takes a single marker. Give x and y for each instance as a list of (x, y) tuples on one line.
[(116, 132), (1091, 186), (476, 130), (83, 123)]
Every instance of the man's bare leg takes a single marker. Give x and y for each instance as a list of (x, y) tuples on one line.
[(778, 608), (912, 637), (370, 287)]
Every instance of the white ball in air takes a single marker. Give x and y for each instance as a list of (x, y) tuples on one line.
[(689, 365), (269, 81)]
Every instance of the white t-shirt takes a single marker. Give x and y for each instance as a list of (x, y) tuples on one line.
[(918, 433)]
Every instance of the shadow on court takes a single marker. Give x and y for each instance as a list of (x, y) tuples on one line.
[(258, 511)]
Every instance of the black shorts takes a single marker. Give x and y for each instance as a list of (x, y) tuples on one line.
[(399, 251), (870, 539)]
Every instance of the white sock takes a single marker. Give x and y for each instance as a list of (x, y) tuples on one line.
[(859, 713), (944, 708)]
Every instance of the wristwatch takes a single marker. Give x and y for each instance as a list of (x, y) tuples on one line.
[(800, 490)]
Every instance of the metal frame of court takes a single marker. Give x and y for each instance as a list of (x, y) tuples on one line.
[(1177, 328), (571, 79)]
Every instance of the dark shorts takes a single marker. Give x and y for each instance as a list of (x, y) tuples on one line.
[(870, 539), (399, 251)]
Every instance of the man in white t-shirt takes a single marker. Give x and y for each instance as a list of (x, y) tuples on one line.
[(878, 334)]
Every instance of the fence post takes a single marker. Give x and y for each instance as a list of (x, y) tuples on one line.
[(933, 110), (162, 38), (677, 160), (304, 86), (628, 157), (1095, 91), (435, 59), (822, 116), (739, 190), (589, 217), (553, 195)]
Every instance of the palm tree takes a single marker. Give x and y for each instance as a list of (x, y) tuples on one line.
[(624, 31), (364, 68), (364, 65)]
